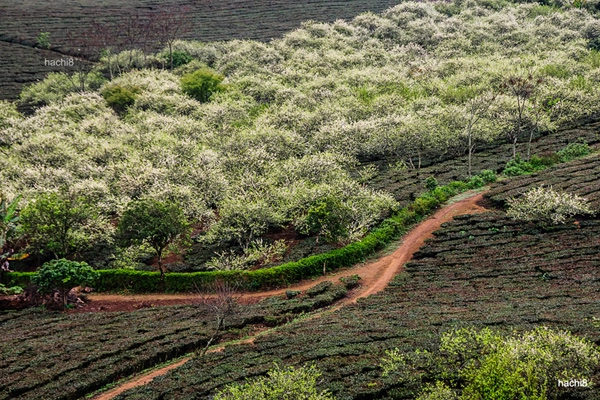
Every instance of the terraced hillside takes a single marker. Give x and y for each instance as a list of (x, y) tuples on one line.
[(46, 355), (580, 177), (22, 22), (479, 270)]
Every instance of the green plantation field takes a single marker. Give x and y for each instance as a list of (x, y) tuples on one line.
[(47, 355), (66, 22), (479, 270)]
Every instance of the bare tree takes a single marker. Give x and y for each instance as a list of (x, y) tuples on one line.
[(221, 301), (522, 88), (171, 23), (475, 109)]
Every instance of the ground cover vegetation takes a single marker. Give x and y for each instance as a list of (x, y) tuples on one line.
[(66, 356), (285, 130), (480, 273)]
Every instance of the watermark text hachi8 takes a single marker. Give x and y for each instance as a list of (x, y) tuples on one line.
[(573, 383), (60, 62)]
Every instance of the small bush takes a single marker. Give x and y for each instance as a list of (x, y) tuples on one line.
[(290, 383), (547, 206), (202, 84), (11, 290), (573, 151), (63, 275), (120, 98), (517, 166), (488, 176), (544, 161), (431, 183), (475, 182), (179, 58)]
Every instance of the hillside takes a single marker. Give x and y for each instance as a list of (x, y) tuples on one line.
[(208, 21), (479, 270)]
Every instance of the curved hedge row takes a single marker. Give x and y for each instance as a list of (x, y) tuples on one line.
[(282, 275)]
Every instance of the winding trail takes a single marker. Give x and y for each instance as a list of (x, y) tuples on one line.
[(375, 277)]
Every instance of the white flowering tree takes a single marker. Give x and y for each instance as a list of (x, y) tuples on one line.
[(548, 206)]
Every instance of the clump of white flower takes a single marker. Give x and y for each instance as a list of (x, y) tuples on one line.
[(547, 206)]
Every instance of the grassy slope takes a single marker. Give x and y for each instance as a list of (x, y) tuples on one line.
[(482, 270), (210, 21)]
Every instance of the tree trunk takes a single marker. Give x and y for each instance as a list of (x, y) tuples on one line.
[(515, 147), (171, 54), (470, 153), (162, 272), (214, 335)]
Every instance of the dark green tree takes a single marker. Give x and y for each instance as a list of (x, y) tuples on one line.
[(154, 222), (56, 223), (201, 84), (327, 217), (63, 275)]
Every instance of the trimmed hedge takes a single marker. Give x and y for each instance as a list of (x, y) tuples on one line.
[(282, 275)]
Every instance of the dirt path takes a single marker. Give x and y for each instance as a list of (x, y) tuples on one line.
[(375, 276)]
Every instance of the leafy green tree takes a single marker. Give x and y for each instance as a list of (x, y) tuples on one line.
[(289, 383), (157, 223), (328, 218), (63, 275), (59, 223), (201, 84)]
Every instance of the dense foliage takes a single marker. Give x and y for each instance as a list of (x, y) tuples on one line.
[(279, 384), (298, 113), (486, 364)]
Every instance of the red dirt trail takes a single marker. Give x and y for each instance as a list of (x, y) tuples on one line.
[(375, 277)]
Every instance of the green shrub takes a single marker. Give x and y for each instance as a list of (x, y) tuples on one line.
[(63, 275), (517, 166), (544, 161), (475, 182), (573, 151), (179, 58), (11, 290), (431, 183), (290, 294), (488, 176), (201, 84), (290, 383), (120, 98)]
